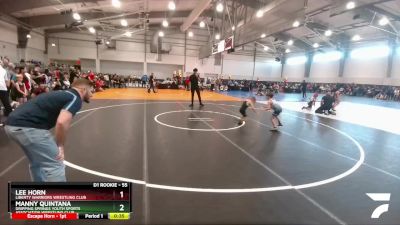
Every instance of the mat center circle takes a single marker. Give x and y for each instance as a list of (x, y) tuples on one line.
[(198, 120)]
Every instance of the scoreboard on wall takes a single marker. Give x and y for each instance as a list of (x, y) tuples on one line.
[(69, 201), (223, 45)]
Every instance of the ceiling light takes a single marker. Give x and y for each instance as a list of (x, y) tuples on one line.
[(296, 23), (350, 5), (263, 35), (116, 3), (53, 45), (287, 50), (266, 48), (190, 34), (165, 23), (108, 42), (128, 34), (28, 36), (220, 7), (217, 36), (76, 16), (233, 27), (92, 30), (124, 23), (161, 34), (260, 13), (290, 42), (315, 45), (171, 5), (328, 33), (202, 24), (356, 37), (384, 21)]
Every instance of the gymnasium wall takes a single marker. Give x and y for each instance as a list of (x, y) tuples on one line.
[(236, 66), (129, 54), (8, 41), (121, 67), (395, 69)]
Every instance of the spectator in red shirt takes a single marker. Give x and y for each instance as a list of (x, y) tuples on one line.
[(91, 76), (99, 85)]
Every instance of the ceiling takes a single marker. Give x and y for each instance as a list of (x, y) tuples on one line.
[(314, 16)]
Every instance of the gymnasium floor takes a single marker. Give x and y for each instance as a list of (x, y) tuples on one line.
[(199, 167)]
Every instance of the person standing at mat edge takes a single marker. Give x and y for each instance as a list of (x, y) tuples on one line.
[(30, 123), (151, 83), (4, 96), (194, 86), (304, 89)]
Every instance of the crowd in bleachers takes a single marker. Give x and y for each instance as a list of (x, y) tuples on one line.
[(382, 92)]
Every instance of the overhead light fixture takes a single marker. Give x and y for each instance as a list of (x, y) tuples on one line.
[(76, 16), (315, 45), (350, 5), (296, 23), (128, 34), (263, 35), (260, 13), (328, 33), (287, 50), (356, 37), (190, 34), (161, 34), (107, 42), (171, 5), (233, 28), (92, 30), (266, 48), (53, 45), (290, 42), (165, 23), (28, 36), (383, 21), (217, 36), (220, 7), (116, 3), (124, 23), (202, 24)]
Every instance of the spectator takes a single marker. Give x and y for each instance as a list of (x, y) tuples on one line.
[(4, 96), (21, 90)]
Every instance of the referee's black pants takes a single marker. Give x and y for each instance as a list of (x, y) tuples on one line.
[(197, 89)]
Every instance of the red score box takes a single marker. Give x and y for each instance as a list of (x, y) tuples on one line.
[(44, 216)]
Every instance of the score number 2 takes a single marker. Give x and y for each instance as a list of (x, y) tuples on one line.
[(121, 206)]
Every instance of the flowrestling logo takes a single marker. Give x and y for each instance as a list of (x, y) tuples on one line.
[(379, 197)]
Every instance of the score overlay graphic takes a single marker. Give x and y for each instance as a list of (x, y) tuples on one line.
[(69, 201)]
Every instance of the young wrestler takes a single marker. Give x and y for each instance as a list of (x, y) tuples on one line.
[(337, 100), (246, 104), (276, 109), (312, 101)]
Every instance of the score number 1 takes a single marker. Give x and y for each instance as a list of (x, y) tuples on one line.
[(121, 206)]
